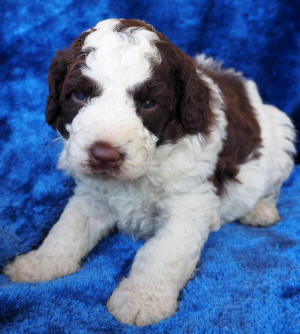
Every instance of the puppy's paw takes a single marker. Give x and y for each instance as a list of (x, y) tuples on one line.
[(134, 303), (264, 214), (37, 267)]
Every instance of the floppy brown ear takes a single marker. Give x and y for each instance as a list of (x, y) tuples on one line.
[(196, 114), (57, 72)]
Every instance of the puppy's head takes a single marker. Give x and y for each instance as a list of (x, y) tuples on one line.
[(119, 92)]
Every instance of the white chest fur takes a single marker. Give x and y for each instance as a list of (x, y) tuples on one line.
[(135, 206)]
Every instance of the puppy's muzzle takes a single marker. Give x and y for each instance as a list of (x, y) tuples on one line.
[(103, 156)]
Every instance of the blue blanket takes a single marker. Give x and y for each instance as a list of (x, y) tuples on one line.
[(248, 279)]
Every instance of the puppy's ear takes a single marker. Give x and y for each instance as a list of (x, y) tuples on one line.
[(195, 112), (57, 72)]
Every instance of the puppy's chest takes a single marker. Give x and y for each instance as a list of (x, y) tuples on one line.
[(138, 207)]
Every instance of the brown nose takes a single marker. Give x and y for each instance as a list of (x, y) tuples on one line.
[(104, 155)]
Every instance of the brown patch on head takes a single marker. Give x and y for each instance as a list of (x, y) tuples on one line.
[(182, 98), (243, 131), (65, 78)]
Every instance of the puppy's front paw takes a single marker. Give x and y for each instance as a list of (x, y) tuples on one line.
[(141, 305), (37, 267)]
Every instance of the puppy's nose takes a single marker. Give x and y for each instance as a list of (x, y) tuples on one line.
[(104, 155)]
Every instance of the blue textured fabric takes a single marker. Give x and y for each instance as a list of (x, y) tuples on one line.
[(248, 279)]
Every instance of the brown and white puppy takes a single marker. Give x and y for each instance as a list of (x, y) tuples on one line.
[(160, 145)]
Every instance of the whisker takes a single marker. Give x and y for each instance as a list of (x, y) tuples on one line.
[(59, 138)]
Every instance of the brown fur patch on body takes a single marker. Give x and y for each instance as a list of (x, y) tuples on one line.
[(243, 131)]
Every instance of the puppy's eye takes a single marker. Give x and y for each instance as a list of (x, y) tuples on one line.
[(79, 96), (148, 104)]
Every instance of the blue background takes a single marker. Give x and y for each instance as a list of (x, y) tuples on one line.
[(248, 279)]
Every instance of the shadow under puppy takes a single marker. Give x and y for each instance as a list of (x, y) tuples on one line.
[(162, 146)]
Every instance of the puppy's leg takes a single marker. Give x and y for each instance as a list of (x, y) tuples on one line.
[(82, 224), (164, 264)]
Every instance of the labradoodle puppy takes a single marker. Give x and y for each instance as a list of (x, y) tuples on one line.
[(162, 146)]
